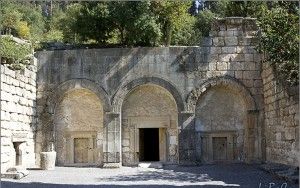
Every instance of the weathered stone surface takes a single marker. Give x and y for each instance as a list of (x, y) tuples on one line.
[(79, 115), (126, 89), (15, 120), (48, 160), (231, 41), (282, 132), (154, 109)]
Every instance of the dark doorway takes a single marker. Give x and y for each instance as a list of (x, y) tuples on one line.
[(18, 153), (149, 144)]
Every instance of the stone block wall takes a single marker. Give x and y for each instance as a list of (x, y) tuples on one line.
[(230, 51), (281, 119), (226, 61), (18, 117), (227, 57)]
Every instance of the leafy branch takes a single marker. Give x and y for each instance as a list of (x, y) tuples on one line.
[(15, 54)]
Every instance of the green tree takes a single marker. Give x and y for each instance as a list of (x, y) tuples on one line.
[(204, 21), (173, 17), (135, 23), (54, 26), (187, 34), (92, 23), (280, 42), (68, 23), (35, 20), (10, 18), (14, 15), (23, 30)]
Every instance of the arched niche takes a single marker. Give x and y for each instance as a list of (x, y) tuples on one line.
[(226, 121), (220, 124), (78, 128), (149, 107)]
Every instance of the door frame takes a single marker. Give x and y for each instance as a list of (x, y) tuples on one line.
[(160, 122), (207, 145), (86, 150), (214, 138), (92, 153)]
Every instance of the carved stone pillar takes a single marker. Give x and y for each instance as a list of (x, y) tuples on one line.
[(112, 140)]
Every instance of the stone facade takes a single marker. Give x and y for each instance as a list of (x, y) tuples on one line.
[(281, 119), (18, 117), (167, 89), (214, 102)]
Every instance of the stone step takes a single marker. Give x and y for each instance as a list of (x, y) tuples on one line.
[(150, 165), (15, 174)]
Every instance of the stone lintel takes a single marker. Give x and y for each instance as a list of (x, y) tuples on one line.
[(19, 137)]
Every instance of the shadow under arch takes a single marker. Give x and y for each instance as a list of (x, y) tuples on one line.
[(124, 89), (73, 84), (252, 138), (227, 82), (58, 93)]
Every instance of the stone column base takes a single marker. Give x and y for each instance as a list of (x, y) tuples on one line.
[(48, 160)]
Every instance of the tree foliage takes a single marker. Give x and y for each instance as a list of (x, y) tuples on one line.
[(92, 22), (135, 26), (133, 23), (22, 19), (280, 42), (23, 30), (13, 53), (177, 25)]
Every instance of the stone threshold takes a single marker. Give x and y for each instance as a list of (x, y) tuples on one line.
[(146, 164)]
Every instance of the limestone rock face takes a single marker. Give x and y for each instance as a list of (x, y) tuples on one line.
[(18, 118)]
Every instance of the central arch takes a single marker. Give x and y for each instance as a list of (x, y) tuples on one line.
[(124, 89), (149, 125)]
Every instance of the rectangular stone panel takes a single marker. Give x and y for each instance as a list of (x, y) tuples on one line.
[(81, 147), (219, 148)]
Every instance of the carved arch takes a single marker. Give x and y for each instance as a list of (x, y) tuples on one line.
[(119, 96), (226, 81), (69, 85)]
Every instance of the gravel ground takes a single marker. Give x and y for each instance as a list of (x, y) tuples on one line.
[(221, 175)]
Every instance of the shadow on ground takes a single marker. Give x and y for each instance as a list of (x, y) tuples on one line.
[(160, 175), (42, 185), (206, 176)]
